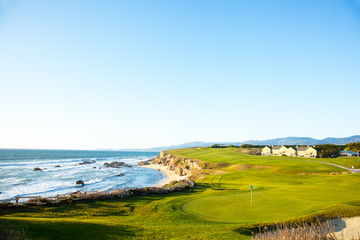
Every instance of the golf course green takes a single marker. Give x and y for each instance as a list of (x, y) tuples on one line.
[(219, 207)]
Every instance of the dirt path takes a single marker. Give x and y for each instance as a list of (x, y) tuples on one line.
[(339, 166)]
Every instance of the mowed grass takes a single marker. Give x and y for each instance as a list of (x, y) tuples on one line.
[(343, 161), (285, 189), (281, 190)]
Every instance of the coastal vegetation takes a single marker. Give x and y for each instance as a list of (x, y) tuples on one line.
[(354, 147), (219, 206)]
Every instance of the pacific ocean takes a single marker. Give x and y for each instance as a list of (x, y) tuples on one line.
[(60, 169)]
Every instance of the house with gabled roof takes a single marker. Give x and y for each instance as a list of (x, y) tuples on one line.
[(307, 151), (311, 152), (283, 150), (276, 150), (266, 151), (301, 151), (290, 152)]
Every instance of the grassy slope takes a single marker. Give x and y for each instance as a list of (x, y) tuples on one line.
[(343, 161), (217, 208)]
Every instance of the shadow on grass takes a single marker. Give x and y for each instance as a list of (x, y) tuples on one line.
[(69, 230), (96, 207)]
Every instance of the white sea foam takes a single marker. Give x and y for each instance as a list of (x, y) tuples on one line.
[(18, 178)]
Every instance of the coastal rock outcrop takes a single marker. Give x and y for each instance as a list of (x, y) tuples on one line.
[(80, 182), (146, 162), (179, 165), (57, 166), (116, 164), (87, 162), (38, 169)]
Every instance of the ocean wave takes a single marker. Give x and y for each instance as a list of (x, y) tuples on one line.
[(48, 161), (52, 161), (19, 179)]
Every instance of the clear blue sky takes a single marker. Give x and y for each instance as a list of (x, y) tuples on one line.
[(118, 74)]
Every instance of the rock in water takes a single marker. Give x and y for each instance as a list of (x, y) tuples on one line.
[(58, 166), (146, 162), (87, 162), (37, 169), (80, 182), (116, 164)]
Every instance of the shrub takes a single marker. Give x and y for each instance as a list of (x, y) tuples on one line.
[(12, 234)]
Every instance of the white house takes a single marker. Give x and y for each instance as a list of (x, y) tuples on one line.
[(290, 152), (276, 150), (266, 151), (348, 153), (308, 151)]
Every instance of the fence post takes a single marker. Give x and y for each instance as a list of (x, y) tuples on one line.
[(38, 202)]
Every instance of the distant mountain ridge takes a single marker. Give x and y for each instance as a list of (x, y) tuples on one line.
[(275, 141)]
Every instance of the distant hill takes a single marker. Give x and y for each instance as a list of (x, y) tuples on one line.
[(275, 141), (306, 141)]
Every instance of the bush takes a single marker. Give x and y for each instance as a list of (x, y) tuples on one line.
[(12, 234), (219, 146), (328, 150)]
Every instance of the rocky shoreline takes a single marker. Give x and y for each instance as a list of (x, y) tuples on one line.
[(176, 168), (180, 172)]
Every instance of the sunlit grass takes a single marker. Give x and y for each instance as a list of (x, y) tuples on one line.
[(217, 208)]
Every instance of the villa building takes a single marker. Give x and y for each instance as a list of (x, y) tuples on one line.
[(266, 151), (301, 151), (276, 150), (290, 151)]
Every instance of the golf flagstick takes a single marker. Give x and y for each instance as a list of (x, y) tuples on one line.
[(251, 195)]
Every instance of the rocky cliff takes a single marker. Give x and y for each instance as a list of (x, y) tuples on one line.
[(180, 166)]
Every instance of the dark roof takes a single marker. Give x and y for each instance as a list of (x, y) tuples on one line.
[(349, 152), (276, 147)]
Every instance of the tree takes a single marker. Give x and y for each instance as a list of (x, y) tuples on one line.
[(247, 146), (328, 150), (353, 147)]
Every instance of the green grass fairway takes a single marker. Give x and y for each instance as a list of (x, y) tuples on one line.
[(342, 161), (285, 189)]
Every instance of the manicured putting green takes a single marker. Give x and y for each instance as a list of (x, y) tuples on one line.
[(236, 208)]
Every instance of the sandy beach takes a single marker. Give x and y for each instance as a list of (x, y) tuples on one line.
[(171, 176)]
